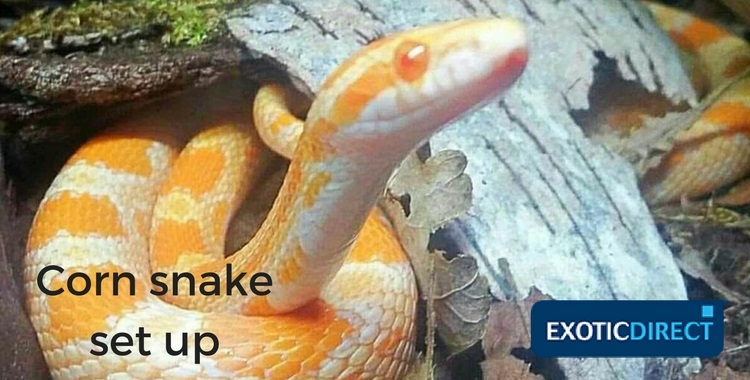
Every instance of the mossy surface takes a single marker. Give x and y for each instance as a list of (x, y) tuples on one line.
[(189, 22)]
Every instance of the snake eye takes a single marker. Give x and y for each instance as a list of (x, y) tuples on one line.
[(411, 60)]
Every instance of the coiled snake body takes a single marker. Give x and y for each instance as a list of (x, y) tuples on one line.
[(714, 151), (343, 296)]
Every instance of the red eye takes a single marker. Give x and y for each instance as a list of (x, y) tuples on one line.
[(411, 60)]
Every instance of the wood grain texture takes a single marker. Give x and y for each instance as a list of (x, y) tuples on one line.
[(564, 213)]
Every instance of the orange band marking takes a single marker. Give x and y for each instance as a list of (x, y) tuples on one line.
[(78, 215)]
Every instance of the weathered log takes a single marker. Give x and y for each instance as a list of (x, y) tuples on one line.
[(564, 214), (36, 86)]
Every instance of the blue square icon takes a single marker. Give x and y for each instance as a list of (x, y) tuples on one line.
[(707, 311)]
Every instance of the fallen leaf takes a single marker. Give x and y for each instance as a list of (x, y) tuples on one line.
[(719, 372), (713, 252), (462, 301), (508, 329), (737, 338), (422, 198)]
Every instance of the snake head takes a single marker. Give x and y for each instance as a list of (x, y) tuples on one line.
[(399, 90)]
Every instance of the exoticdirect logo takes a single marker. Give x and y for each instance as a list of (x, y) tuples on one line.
[(627, 328)]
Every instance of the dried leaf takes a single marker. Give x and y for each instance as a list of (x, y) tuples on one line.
[(737, 338), (692, 263), (720, 371), (508, 328), (434, 192), (438, 188), (713, 253), (462, 301)]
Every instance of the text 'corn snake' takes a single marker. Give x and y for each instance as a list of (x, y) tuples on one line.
[(343, 299)]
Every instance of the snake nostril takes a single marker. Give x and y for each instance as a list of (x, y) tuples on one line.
[(405, 201)]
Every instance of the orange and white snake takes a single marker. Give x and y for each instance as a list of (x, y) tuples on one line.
[(343, 298), (714, 151)]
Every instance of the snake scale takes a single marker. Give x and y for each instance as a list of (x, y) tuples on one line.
[(343, 299)]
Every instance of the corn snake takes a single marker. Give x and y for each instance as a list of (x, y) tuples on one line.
[(208, 255), (714, 151), (343, 298)]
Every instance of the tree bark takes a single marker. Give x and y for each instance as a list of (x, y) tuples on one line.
[(42, 86)]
